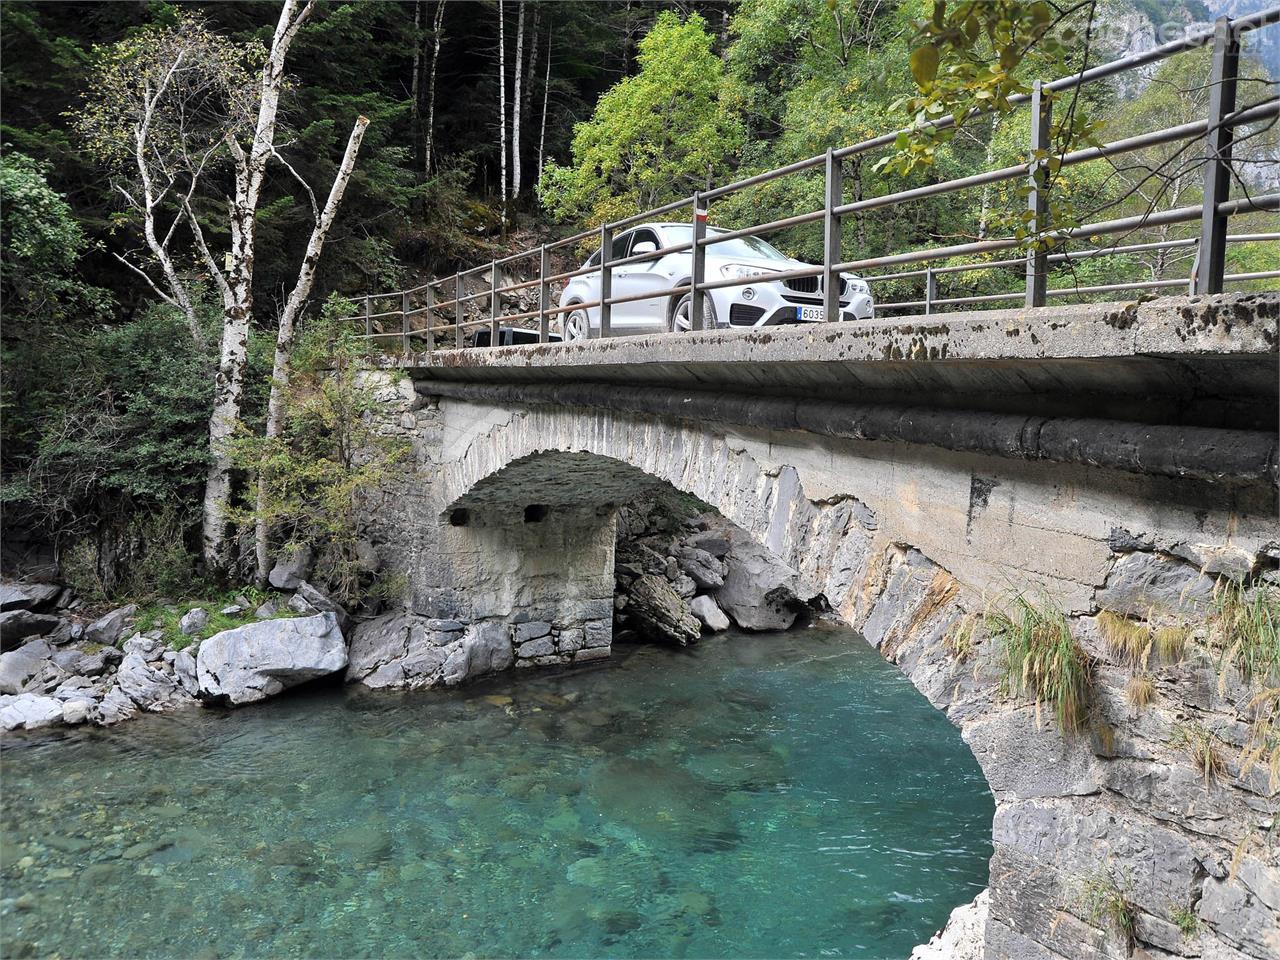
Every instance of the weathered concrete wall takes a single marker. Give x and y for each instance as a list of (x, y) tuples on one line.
[(904, 540)]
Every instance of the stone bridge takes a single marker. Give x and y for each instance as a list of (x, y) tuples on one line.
[(1112, 457)]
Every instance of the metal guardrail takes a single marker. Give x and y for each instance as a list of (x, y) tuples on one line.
[(1208, 276)]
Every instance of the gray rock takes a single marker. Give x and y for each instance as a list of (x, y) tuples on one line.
[(17, 667), (115, 707), (151, 689), (538, 647), (298, 604), (291, 570), (75, 662), (268, 609), (145, 647), (660, 611), (76, 688), (233, 610), (446, 625), (485, 648), (709, 613), (29, 596), (712, 543), (259, 660), (28, 711), (323, 604), (184, 671), (1140, 582), (528, 631), (598, 634), (1243, 909), (75, 712), (389, 639), (367, 558), (18, 625), (107, 630), (194, 620), (759, 590), (705, 569)]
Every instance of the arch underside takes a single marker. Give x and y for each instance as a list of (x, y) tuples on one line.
[(905, 543)]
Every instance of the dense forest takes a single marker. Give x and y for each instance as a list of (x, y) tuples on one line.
[(490, 124)]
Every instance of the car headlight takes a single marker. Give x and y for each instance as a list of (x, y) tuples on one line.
[(744, 271), (856, 285)]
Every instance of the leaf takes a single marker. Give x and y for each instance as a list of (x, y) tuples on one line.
[(924, 64)]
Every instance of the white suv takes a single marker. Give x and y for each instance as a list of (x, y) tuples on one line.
[(763, 302)]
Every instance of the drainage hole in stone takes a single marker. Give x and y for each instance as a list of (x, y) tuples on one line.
[(459, 517), (535, 513)]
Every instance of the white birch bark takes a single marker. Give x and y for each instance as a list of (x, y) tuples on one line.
[(250, 170), (415, 86), (517, 103), (280, 369), (502, 109), (546, 92), (437, 36)]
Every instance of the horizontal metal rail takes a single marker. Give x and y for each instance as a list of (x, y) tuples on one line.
[(1034, 254)]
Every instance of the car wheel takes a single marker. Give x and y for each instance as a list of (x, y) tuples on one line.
[(681, 320), (577, 326)]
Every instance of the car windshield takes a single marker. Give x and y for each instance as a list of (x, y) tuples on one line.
[(749, 248)]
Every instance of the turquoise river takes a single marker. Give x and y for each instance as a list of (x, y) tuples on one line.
[(784, 795)]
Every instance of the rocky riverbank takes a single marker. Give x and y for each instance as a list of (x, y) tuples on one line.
[(679, 573)]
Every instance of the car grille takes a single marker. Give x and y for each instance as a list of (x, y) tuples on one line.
[(810, 284), (741, 315), (801, 284)]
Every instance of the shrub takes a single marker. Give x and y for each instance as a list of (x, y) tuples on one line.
[(1043, 660), (1200, 745), (330, 455), (1106, 904), (1186, 920)]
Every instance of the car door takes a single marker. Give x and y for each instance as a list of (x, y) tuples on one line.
[(617, 250), (633, 279)]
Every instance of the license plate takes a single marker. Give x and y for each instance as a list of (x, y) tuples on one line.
[(810, 313)]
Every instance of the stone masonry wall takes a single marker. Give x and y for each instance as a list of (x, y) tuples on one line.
[(906, 543)]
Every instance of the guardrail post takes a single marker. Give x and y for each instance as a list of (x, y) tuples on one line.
[(831, 285), (459, 341), (544, 294), (430, 311), (495, 305), (698, 273), (606, 280), (1217, 172), (404, 321), (930, 290), (1037, 199)]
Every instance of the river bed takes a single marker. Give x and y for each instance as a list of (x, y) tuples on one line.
[(757, 795)]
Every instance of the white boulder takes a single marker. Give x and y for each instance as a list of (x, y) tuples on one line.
[(261, 659)]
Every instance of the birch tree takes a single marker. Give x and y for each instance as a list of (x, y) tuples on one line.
[(173, 104), (546, 94), (502, 107), (288, 321), (437, 37), (517, 103)]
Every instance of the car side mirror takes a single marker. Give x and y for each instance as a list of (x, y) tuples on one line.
[(644, 246)]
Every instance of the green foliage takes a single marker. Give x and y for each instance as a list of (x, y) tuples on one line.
[(1186, 920), (166, 615), (1244, 628), (330, 456), (137, 556), (1043, 660), (40, 249), (654, 136), (1105, 901)]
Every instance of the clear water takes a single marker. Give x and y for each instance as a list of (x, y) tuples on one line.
[(756, 796)]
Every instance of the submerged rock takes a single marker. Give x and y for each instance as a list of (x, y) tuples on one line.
[(259, 660)]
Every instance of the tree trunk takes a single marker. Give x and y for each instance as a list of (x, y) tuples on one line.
[(415, 92), (517, 103), (280, 369), (502, 109), (238, 297), (546, 91), (437, 35)]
